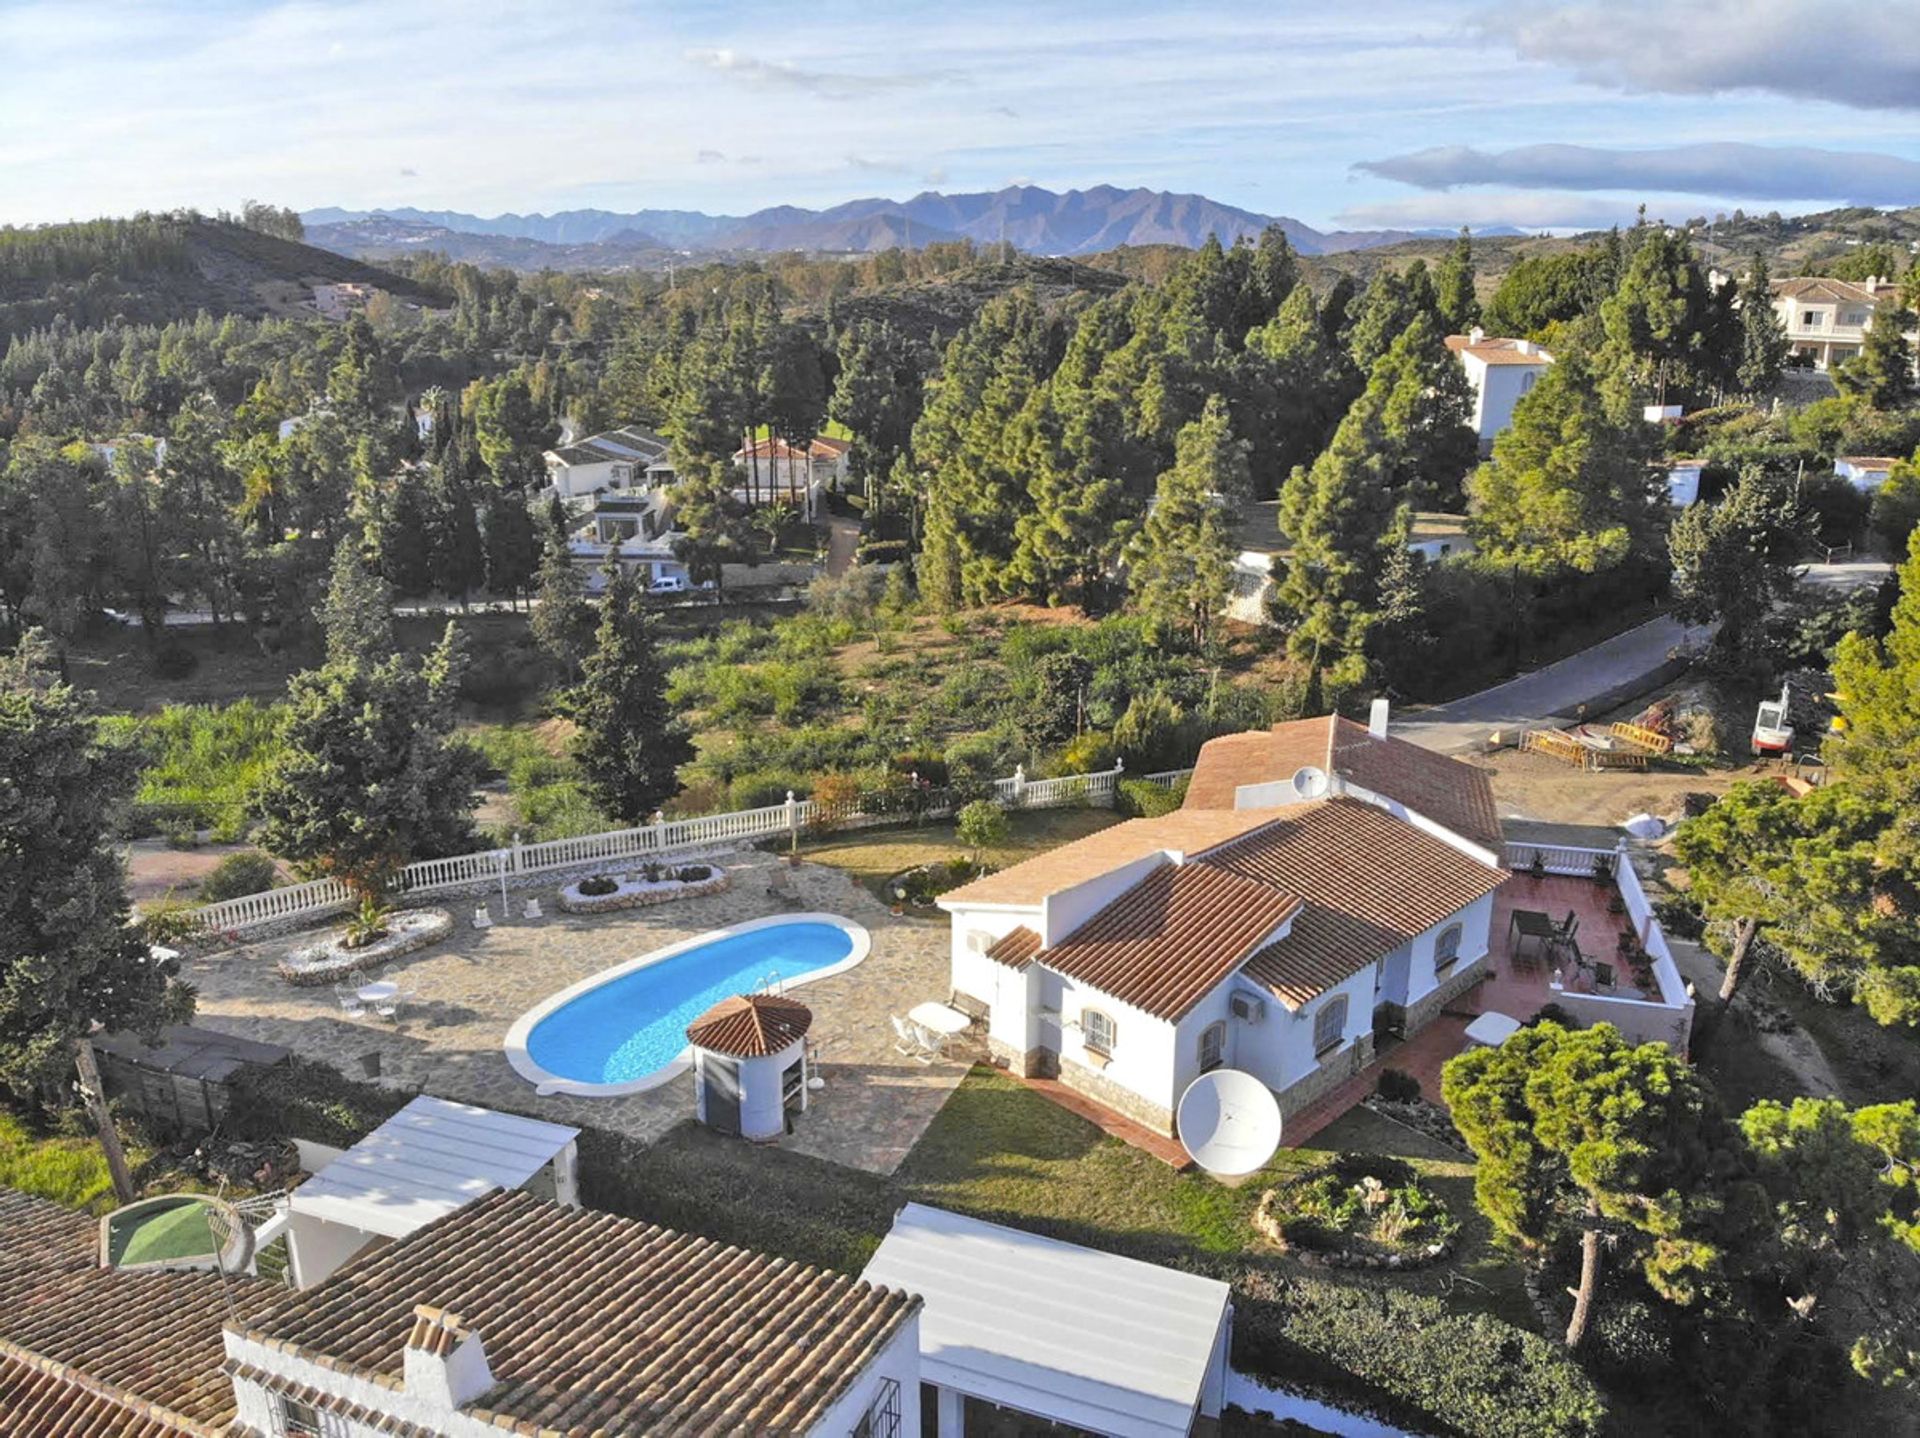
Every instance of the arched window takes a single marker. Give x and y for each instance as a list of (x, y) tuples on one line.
[(1096, 1031), (1446, 948), (1213, 1046), (1330, 1025)]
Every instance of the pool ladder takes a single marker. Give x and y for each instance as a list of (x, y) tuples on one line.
[(772, 983)]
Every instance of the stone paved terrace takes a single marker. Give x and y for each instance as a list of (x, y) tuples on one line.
[(473, 986)]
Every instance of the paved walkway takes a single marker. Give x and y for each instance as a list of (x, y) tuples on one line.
[(875, 1104)]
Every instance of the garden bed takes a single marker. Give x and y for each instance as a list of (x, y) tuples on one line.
[(407, 932), (657, 885), (918, 887), (1360, 1211)]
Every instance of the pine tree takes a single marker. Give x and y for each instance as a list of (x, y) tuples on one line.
[(511, 552), (1341, 517), (563, 619), (1180, 563), (1426, 407), (1763, 338), (630, 744), (357, 613), (1876, 744), (711, 531), (1882, 373), (1732, 561), (405, 540), (1459, 308), (1311, 382), (459, 552), (1069, 540)]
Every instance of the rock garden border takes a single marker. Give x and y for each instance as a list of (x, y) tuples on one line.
[(641, 893), (407, 932), (1344, 1250)]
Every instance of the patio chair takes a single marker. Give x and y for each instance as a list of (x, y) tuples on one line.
[(351, 1004), (910, 1041)]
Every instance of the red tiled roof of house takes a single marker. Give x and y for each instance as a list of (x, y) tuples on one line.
[(1015, 947), (832, 448), (1491, 350), (1825, 287), (1165, 943), (593, 1323), (1187, 831), (39, 1397), (1368, 883), (148, 1342), (1455, 795), (751, 1026)]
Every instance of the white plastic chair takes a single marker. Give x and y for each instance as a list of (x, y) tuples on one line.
[(911, 1041), (351, 1004)]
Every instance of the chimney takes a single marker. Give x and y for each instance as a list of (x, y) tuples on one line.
[(444, 1364), (1524, 346), (1475, 335), (1377, 719)]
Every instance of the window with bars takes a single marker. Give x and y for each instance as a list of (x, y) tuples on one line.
[(1446, 948), (1330, 1025), (1096, 1031), (882, 1418), (1213, 1047)]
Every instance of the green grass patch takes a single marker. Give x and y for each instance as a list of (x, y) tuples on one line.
[(205, 762), (71, 1171), (549, 800), (162, 1232)]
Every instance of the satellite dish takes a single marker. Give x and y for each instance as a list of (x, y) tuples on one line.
[(1310, 782), (1229, 1122)]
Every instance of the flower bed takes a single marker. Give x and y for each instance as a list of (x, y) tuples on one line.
[(919, 886), (1360, 1211), (666, 884), (407, 932)]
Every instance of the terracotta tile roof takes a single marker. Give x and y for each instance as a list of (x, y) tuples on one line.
[(1015, 947), (38, 1397), (1823, 287), (832, 448), (595, 1323), (1368, 883), (153, 1337), (1453, 794), (1166, 942), (1189, 831), (1498, 351), (751, 1026)]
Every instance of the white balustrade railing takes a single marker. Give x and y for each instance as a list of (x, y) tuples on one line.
[(1166, 778), (329, 896)]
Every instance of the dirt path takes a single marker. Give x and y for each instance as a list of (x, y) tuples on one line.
[(843, 540)]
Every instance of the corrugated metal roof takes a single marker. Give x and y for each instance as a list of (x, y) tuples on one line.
[(1084, 1338), (431, 1158)]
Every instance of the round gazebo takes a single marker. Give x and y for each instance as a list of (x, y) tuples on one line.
[(749, 1063)]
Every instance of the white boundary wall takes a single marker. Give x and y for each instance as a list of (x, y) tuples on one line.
[(490, 867)]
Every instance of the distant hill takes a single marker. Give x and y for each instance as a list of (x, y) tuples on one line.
[(382, 238), (154, 269), (1038, 221)]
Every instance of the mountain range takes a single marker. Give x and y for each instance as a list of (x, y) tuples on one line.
[(1039, 221)]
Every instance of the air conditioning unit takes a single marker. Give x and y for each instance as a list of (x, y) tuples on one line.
[(1249, 1008)]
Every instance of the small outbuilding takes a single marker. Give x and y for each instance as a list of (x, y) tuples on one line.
[(1089, 1341), (750, 1063), (184, 1081)]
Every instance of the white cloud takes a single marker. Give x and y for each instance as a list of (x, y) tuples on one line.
[(1737, 171), (1531, 211), (1860, 53), (779, 75)]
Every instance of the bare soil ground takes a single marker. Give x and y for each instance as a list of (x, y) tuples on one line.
[(1531, 786)]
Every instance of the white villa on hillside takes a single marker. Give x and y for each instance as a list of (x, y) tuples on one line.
[(1323, 882), (772, 471), (1825, 319), (625, 459), (1500, 371)]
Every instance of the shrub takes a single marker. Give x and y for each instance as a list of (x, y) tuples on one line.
[(304, 1099), (248, 872), (1143, 800), (1398, 1086), (1088, 753), (835, 797), (982, 825), (596, 885)]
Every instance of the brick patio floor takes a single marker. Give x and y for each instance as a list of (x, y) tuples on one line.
[(875, 1105)]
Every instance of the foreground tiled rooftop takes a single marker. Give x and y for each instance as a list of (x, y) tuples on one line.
[(594, 1323), (114, 1353)]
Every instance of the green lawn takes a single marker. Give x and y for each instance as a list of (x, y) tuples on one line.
[(71, 1171), (874, 855), (176, 1230)]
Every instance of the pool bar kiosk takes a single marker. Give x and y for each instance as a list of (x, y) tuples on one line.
[(750, 1064)]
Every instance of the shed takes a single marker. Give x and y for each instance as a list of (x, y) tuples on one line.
[(749, 1063), (1090, 1340), (432, 1157), (184, 1081)]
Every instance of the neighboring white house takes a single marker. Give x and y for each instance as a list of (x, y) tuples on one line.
[(1036, 1328), (618, 460), (1865, 472), (1324, 881), (1825, 319), (1500, 371), (639, 525), (1263, 550), (342, 301)]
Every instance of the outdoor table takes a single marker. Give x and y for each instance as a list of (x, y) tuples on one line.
[(375, 992), (1531, 924), (1491, 1030), (940, 1020)]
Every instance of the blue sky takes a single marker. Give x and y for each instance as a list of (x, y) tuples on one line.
[(1388, 113)]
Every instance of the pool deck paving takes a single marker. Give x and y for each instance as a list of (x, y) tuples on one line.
[(447, 1042)]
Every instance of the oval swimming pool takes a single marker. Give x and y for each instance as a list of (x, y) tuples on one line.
[(625, 1029)]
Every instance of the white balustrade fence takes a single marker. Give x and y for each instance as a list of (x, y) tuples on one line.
[(329, 896)]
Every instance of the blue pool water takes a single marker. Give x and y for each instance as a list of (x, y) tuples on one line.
[(632, 1025)]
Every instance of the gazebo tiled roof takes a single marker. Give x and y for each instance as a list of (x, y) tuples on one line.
[(751, 1026)]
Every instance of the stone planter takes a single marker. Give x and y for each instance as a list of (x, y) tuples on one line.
[(639, 893), (407, 932)]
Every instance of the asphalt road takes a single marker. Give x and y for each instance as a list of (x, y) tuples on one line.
[(1559, 689)]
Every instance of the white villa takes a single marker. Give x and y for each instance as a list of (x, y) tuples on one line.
[(773, 471), (1500, 371), (1825, 319), (1323, 883), (1263, 550), (1865, 472), (631, 458)]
